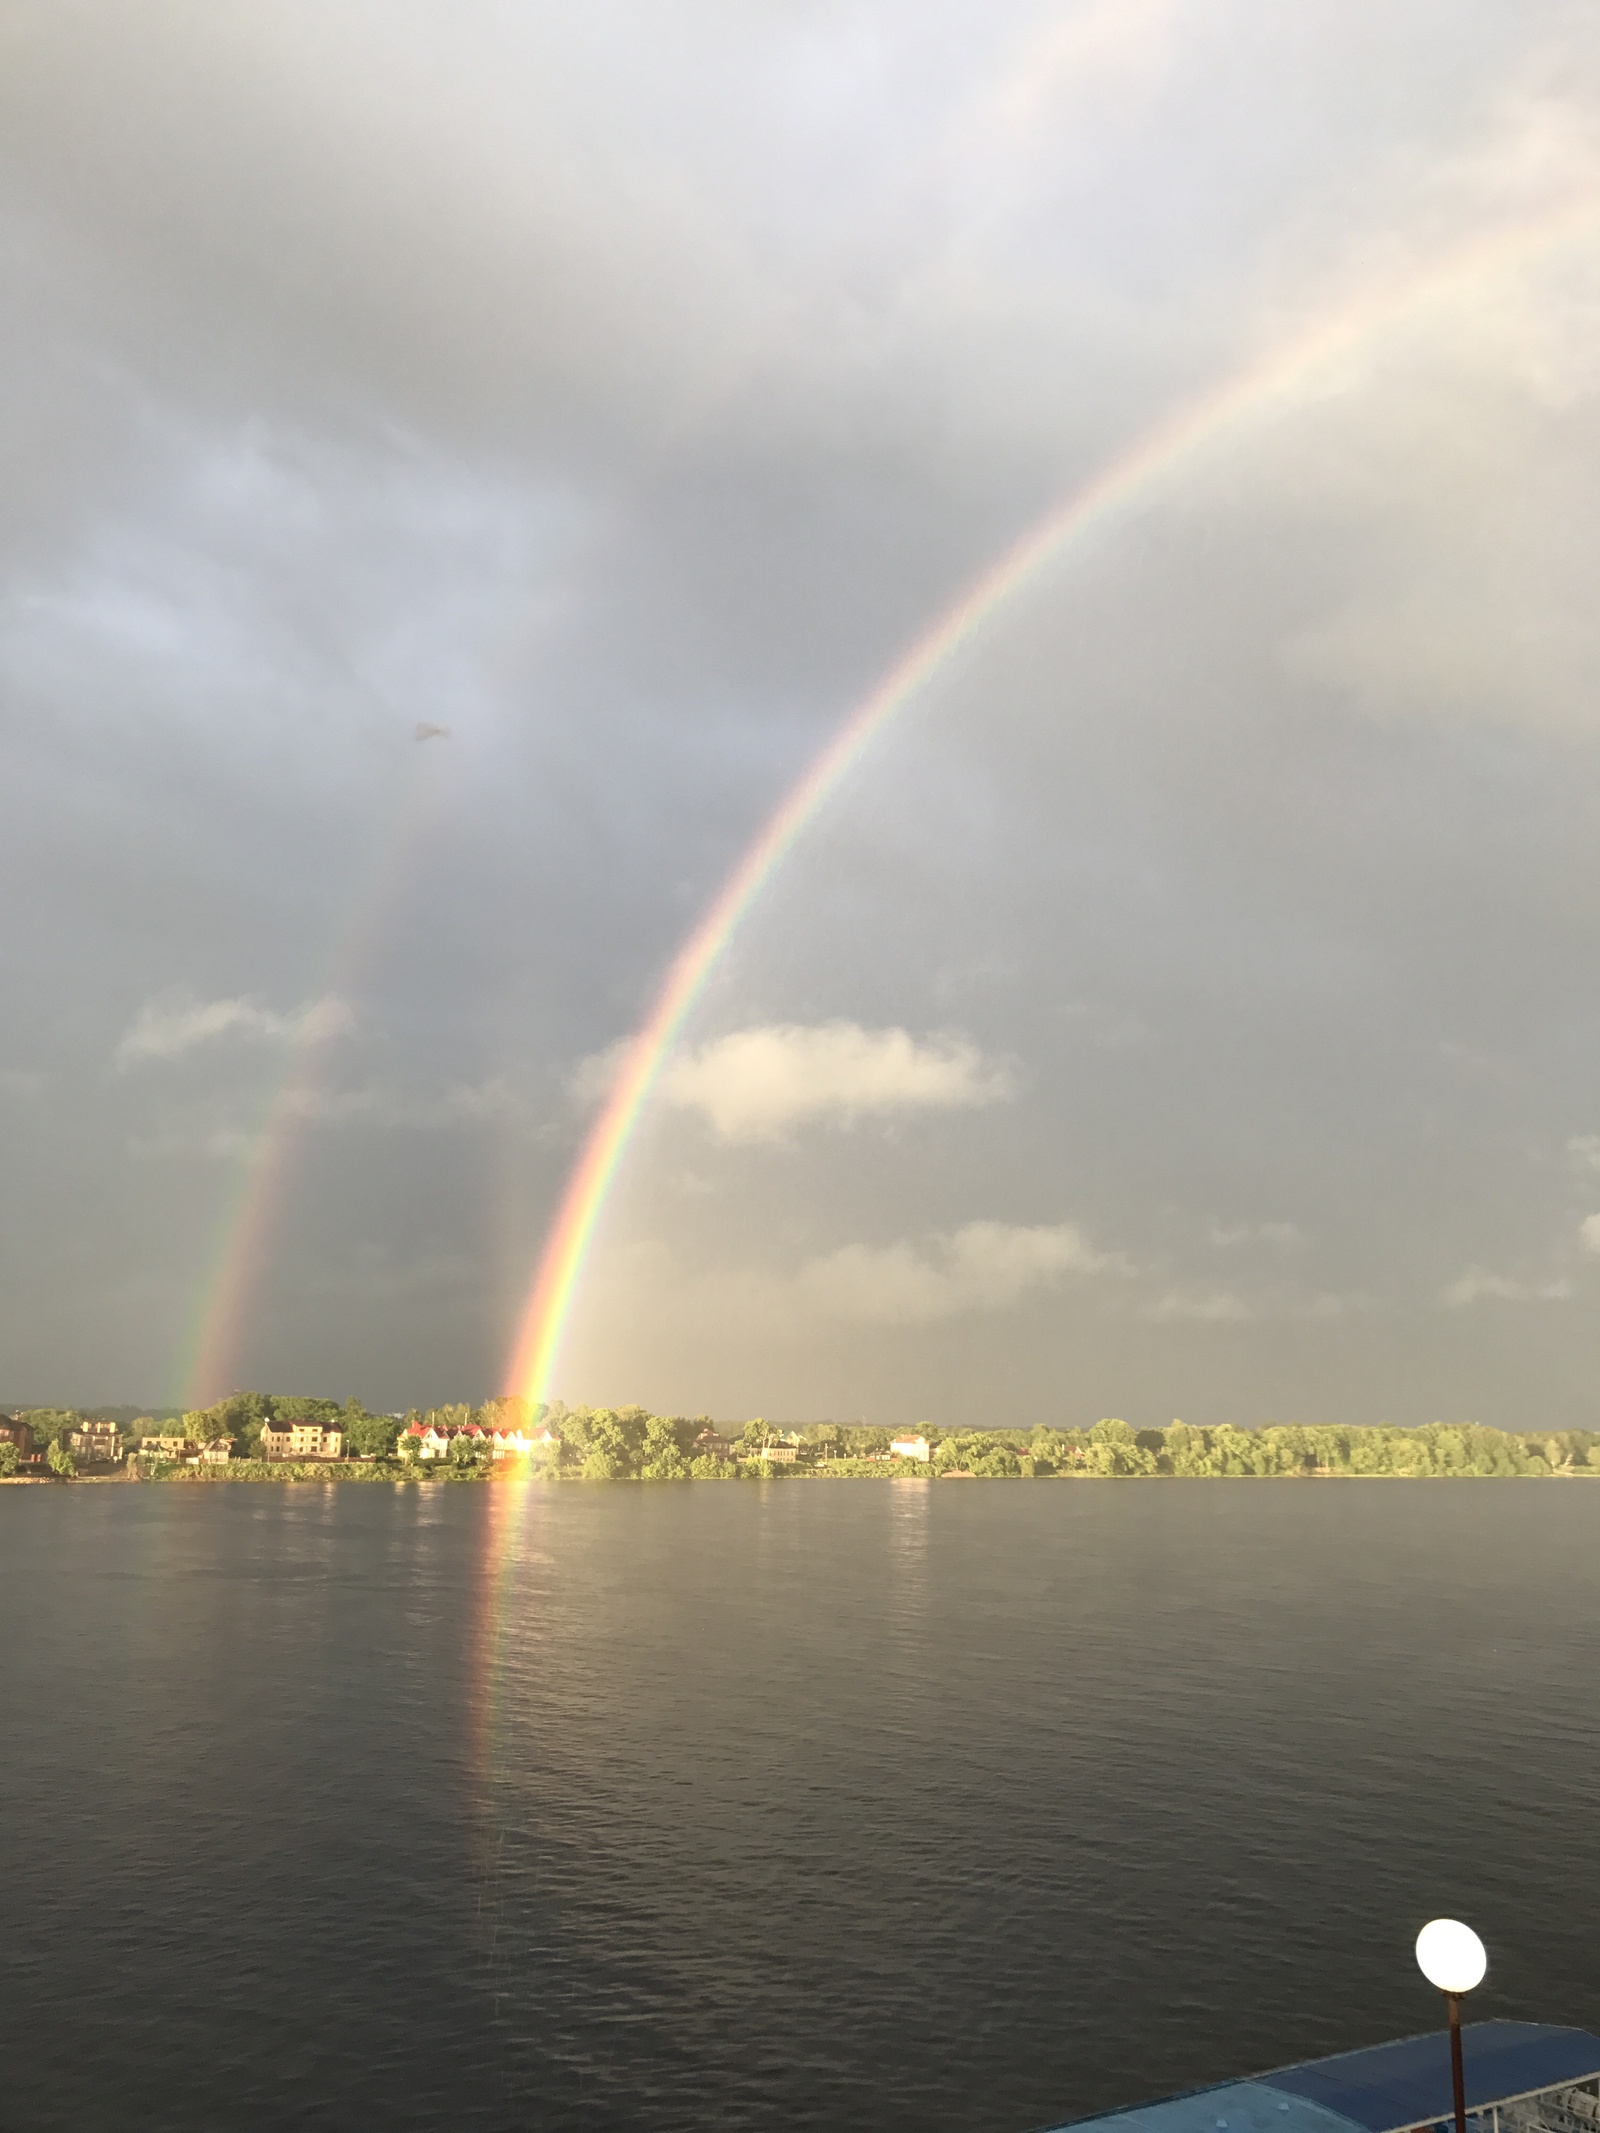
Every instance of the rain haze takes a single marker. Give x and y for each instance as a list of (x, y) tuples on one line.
[(465, 462)]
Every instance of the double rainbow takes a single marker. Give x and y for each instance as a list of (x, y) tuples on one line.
[(1267, 387)]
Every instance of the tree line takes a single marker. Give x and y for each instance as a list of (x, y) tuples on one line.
[(631, 1444), (238, 1420)]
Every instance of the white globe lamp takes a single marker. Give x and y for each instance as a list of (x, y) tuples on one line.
[(1451, 1956)]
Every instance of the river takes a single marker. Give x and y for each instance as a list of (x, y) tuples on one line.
[(844, 1805)]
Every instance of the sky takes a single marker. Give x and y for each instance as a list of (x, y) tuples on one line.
[(1186, 1007)]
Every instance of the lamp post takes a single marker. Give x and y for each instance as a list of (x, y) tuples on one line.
[(1451, 1956)]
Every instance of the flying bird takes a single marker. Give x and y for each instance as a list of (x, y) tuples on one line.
[(426, 732)]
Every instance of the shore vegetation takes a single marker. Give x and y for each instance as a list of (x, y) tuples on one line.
[(631, 1444)]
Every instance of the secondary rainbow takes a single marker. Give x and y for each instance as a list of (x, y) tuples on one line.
[(1250, 395), (214, 1347)]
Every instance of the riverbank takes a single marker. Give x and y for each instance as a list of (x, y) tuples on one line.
[(330, 1472), (255, 1437)]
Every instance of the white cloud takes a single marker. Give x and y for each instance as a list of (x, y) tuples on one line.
[(1478, 1285), (983, 1266), (167, 1029), (1206, 1307), (1282, 1234), (1589, 1233), (757, 1084), (1583, 1151)]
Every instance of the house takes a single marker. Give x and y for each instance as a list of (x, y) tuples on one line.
[(217, 1453), (13, 1431), (521, 1443), (95, 1443), (301, 1440), (169, 1448), (518, 1440), (710, 1444), (431, 1442), (908, 1448), (779, 1454)]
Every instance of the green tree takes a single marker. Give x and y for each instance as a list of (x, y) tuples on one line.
[(49, 1424), (470, 1454), (1182, 1448), (202, 1426), (240, 1418), (605, 1462), (1051, 1450), (996, 1462), (1113, 1449), (296, 1408), (372, 1435), (61, 1461), (662, 1453), (10, 1457), (609, 1441)]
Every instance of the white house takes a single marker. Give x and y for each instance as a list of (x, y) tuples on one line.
[(908, 1448), (431, 1443), (520, 1443)]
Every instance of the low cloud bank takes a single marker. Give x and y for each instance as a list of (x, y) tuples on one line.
[(167, 1029), (1478, 1285), (983, 1266), (759, 1084)]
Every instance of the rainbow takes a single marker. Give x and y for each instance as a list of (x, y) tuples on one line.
[(208, 1369), (213, 1347), (1271, 384)]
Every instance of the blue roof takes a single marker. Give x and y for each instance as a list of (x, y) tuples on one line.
[(1407, 2083), (1385, 2089), (1238, 2106)]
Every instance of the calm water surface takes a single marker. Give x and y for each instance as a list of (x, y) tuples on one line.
[(834, 1805)]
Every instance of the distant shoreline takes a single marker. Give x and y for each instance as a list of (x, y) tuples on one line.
[(260, 1437), (332, 1473)]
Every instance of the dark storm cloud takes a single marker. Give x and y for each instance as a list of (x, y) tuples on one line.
[(621, 388)]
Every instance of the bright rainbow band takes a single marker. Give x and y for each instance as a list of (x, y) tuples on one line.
[(1252, 395)]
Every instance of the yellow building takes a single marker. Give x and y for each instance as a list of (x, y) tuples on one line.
[(301, 1440)]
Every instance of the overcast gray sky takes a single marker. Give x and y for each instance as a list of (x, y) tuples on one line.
[(1190, 1007)]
